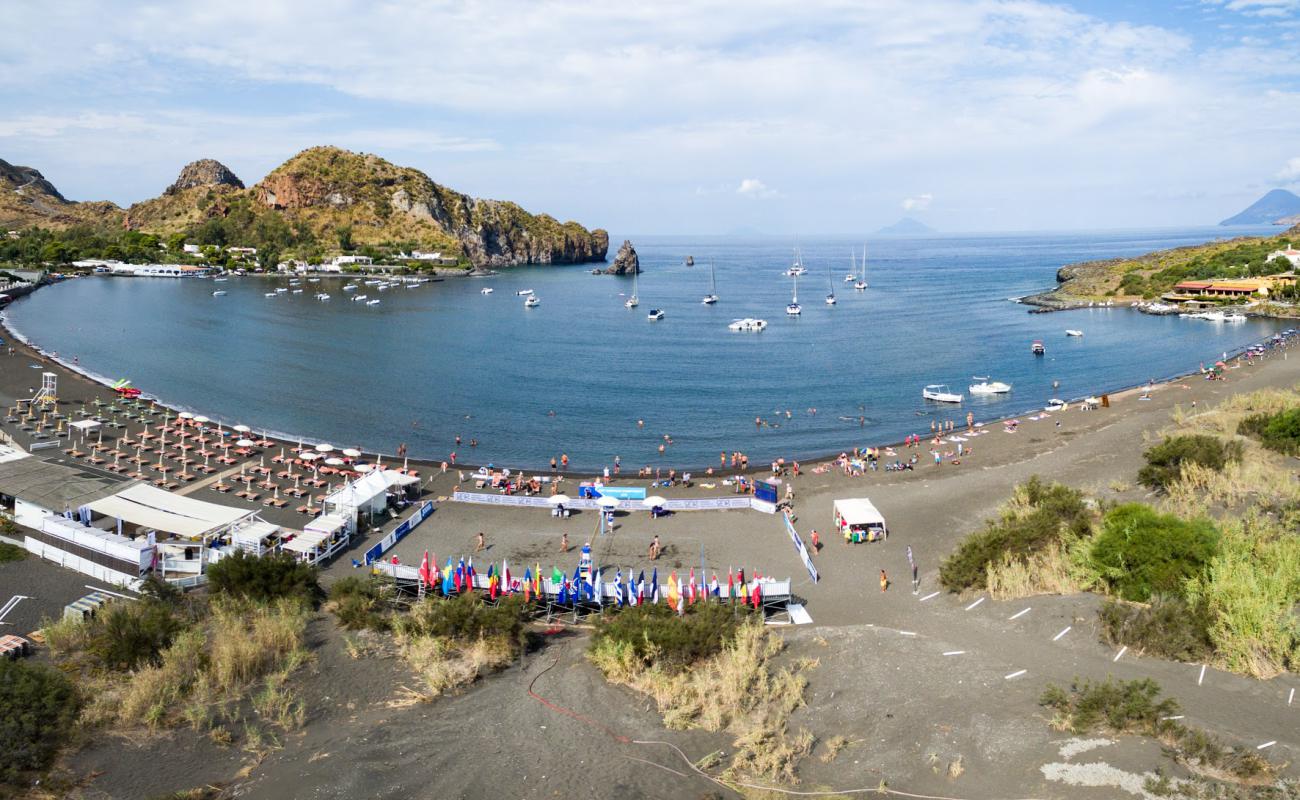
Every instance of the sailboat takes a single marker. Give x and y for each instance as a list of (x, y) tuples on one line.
[(830, 298), (852, 277), (798, 268), (633, 302), (793, 309), (712, 296), (861, 284)]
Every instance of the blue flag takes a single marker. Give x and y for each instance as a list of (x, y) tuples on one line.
[(618, 587), (654, 587)]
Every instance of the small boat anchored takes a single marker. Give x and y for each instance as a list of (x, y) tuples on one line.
[(219, 293), (633, 301), (861, 284), (986, 387), (1037, 347), (655, 315), (523, 292), (712, 296), (793, 309), (939, 393), (532, 301), (830, 297), (486, 290), (747, 325), (372, 302), (1073, 332)]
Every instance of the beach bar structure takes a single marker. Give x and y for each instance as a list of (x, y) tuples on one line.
[(366, 495), (858, 520), (320, 540)]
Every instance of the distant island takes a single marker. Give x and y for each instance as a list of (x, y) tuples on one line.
[(907, 226), (323, 201), (1278, 207)]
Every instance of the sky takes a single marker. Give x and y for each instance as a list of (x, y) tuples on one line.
[(708, 117)]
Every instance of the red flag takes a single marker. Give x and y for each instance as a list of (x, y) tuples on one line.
[(426, 579), (731, 585), (757, 596), (690, 592)]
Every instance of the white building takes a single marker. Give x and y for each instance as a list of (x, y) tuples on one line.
[(192, 249), (1290, 254), (158, 270), (352, 261), (420, 255)]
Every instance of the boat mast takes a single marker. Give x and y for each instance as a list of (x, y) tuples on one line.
[(713, 283)]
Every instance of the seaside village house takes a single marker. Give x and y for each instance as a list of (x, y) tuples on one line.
[(120, 531)]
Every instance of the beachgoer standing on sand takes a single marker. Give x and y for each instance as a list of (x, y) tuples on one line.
[(481, 544), (884, 581), (564, 542), (654, 548), (453, 458), (816, 541)]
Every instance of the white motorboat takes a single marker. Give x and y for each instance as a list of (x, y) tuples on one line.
[(218, 293), (351, 287), (297, 291), (939, 393), (322, 296), (1073, 332), (532, 301), (372, 302), (633, 301), (219, 280), (271, 294), (712, 296), (1234, 317), (313, 280), (358, 298), (281, 290), (747, 325), (655, 315), (985, 386), (523, 292), (793, 308), (486, 290), (1055, 404)]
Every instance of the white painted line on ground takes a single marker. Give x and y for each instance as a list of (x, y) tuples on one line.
[(1020, 614), (972, 605), (1016, 674), (1202, 677), (1062, 633), (1266, 744), (1290, 697), (907, 633), (1179, 716), (955, 653), (1120, 654), (929, 596)]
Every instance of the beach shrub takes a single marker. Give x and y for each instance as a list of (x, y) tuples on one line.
[(466, 617), (11, 552), (1280, 431), (1169, 627), (1038, 516), (1165, 461), (39, 706), (128, 635), (1141, 552), (264, 578), (1250, 590), (358, 604), (656, 634)]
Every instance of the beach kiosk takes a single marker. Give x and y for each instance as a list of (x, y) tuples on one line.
[(858, 520)]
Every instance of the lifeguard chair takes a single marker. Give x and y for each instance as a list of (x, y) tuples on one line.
[(48, 395)]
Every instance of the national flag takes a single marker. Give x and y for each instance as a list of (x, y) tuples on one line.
[(672, 589), (505, 577), (557, 577), (537, 580), (744, 587), (757, 595), (640, 587), (528, 585), (618, 587), (595, 592), (714, 588), (426, 577), (731, 585), (654, 587), (690, 589), (448, 576), (562, 596)]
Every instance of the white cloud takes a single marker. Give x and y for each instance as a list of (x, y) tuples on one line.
[(753, 187), (1291, 172), (919, 203)]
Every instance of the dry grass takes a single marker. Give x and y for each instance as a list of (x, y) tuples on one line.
[(444, 664), (739, 690), (833, 747), (1052, 570)]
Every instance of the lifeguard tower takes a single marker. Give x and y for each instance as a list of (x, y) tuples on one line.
[(48, 395)]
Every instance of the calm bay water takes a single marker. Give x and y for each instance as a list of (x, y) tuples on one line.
[(574, 374)]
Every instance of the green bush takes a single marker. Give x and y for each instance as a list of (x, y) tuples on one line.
[(1141, 552), (1042, 514), (1121, 706), (130, 635), (264, 578), (1169, 628), (657, 634), (1165, 460), (465, 617), (39, 706), (1280, 431), (11, 552), (358, 604)]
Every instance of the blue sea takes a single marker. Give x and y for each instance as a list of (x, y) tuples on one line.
[(575, 374)]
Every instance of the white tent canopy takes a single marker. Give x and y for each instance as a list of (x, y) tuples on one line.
[(84, 425), (858, 513), (369, 492), (149, 507), (327, 524)]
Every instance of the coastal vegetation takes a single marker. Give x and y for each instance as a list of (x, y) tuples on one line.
[(218, 662), (1135, 707), (1211, 572), (11, 552), (1278, 431), (715, 668), (40, 706)]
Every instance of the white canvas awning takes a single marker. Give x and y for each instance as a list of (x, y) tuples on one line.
[(859, 512), (146, 517), (150, 507), (84, 425), (254, 533), (154, 497), (305, 542), (328, 524)]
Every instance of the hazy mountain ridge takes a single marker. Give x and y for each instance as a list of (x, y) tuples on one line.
[(1277, 207)]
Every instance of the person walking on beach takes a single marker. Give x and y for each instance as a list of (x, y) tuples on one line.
[(816, 541), (564, 542), (654, 548), (884, 581), (481, 544)]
